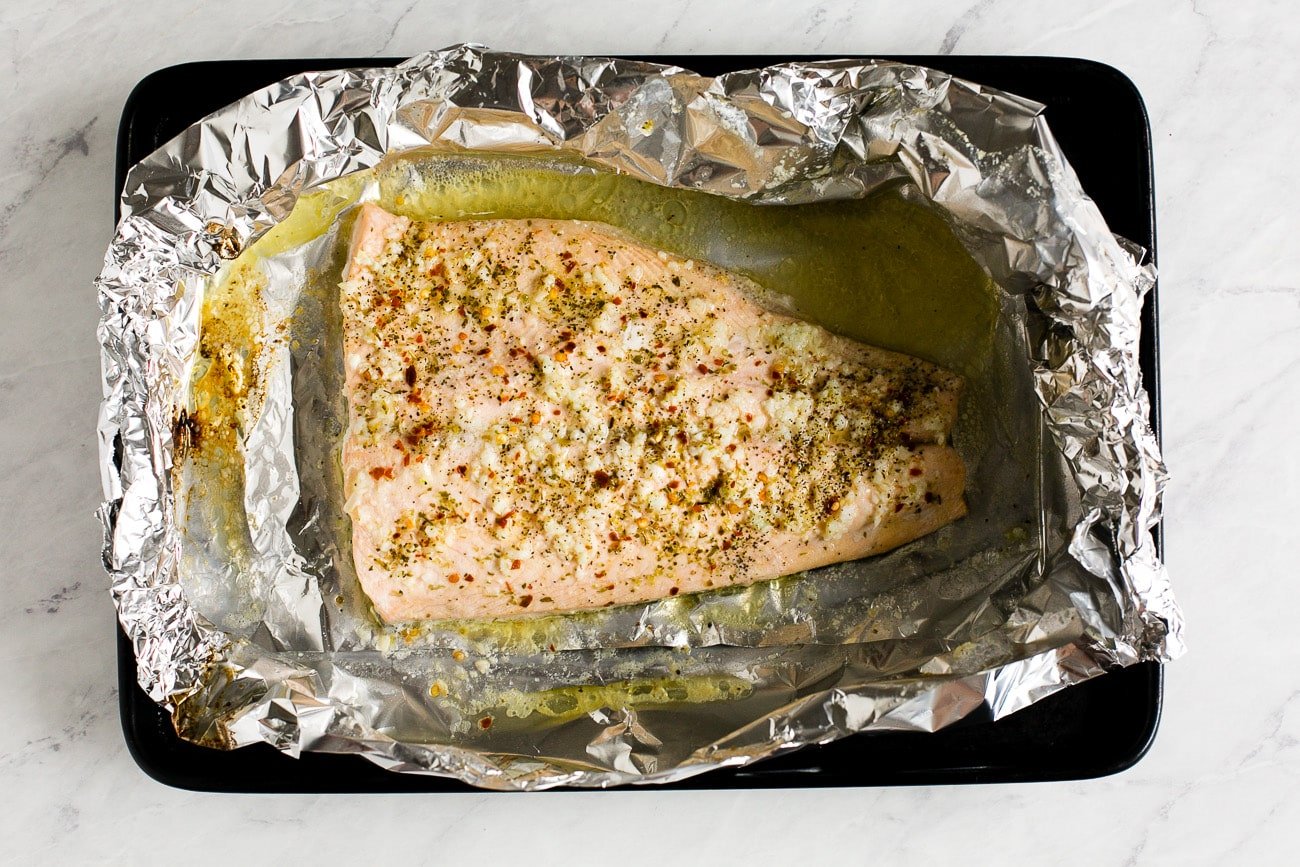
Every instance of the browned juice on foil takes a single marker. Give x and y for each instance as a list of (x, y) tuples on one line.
[(886, 270)]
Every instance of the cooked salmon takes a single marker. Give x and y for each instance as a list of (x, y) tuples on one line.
[(546, 416)]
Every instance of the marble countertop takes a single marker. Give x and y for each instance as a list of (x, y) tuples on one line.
[(1222, 782)]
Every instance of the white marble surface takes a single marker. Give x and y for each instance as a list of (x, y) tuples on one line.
[(1222, 783)]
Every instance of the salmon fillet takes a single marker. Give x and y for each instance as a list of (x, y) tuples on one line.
[(545, 416)]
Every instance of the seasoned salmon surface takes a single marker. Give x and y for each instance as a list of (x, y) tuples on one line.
[(545, 416)]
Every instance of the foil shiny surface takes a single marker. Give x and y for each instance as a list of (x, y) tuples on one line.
[(258, 647)]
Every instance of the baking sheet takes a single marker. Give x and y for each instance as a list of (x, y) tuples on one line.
[(1082, 549)]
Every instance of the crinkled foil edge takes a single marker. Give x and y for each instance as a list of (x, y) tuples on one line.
[(786, 134)]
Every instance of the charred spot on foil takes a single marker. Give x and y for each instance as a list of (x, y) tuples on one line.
[(225, 239), (185, 433)]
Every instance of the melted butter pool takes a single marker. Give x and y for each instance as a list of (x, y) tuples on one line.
[(885, 270)]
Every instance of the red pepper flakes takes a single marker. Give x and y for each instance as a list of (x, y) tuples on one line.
[(485, 723), (378, 473)]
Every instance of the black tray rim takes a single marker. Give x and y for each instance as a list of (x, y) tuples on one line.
[(156, 754)]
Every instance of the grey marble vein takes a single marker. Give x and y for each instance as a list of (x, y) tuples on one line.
[(959, 27)]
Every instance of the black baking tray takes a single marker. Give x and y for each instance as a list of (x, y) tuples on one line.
[(1098, 728)]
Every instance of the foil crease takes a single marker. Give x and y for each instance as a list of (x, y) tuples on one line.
[(787, 134)]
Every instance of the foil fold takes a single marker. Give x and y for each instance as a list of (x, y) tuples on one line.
[(1095, 597)]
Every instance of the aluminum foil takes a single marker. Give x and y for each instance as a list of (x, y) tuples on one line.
[(272, 645)]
